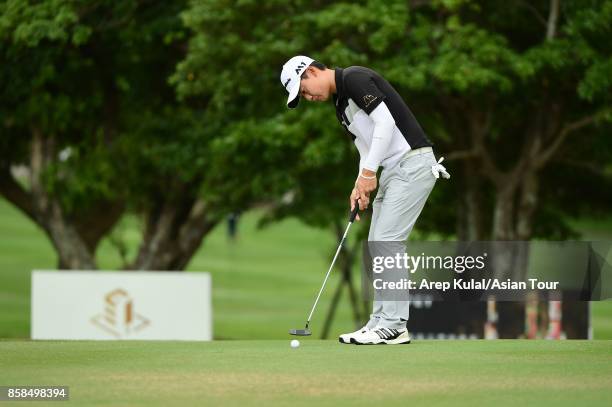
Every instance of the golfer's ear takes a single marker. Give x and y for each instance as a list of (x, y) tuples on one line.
[(311, 71)]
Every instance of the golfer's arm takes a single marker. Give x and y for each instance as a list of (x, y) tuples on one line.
[(381, 138)]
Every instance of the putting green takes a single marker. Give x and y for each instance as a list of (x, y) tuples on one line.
[(270, 372)]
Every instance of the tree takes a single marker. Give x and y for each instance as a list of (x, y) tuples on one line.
[(54, 85), (509, 93), (88, 111)]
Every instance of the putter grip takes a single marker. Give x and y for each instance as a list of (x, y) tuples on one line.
[(354, 212)]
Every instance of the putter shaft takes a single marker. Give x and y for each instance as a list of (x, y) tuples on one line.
[(330, 269)]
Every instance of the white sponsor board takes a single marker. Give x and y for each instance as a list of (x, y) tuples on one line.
[(108, 305)]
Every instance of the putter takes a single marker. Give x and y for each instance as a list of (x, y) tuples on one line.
[(306, 331)]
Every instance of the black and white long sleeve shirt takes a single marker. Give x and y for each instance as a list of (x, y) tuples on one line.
[(382, 127)]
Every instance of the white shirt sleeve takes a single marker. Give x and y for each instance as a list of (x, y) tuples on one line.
[(381, 137)]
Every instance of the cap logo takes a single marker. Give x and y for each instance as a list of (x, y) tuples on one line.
[(300, 67)]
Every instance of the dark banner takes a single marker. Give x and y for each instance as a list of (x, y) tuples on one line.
[(531, 319)]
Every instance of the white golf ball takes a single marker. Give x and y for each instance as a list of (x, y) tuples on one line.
[(295, 343)]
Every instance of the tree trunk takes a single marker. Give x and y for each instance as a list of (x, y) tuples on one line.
[(72, 251), (470, 209), (553, 16), (503, 213), (528, 201), (173, 233), (75, 236), (98, 221)]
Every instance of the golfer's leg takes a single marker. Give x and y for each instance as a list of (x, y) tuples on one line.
[(404, 199), (376, 305), (403, 202)]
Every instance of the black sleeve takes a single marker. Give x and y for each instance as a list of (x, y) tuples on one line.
[(361, 88)]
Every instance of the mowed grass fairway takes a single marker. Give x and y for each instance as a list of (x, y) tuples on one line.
[(269, 372)]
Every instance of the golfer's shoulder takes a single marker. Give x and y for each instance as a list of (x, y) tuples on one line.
[(358, 73)]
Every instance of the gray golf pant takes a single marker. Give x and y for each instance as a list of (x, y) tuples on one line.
[(402, 192)]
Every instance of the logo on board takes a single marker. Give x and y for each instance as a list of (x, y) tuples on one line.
[(118, 317)]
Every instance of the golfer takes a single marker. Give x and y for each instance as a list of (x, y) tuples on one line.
[(386, 135)]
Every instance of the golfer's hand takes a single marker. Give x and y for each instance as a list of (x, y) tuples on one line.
[(354, 197), (365, 187)]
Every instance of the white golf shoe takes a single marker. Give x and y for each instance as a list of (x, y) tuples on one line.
[(346, 338), (382, 336)]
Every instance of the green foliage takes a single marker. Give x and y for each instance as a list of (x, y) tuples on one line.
[(102, 78), (481, 55), (30, 23), (90, 76)]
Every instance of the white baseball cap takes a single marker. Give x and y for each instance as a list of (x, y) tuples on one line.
[(291, 76)]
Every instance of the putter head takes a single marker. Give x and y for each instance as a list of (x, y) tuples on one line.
[(300, 332)]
